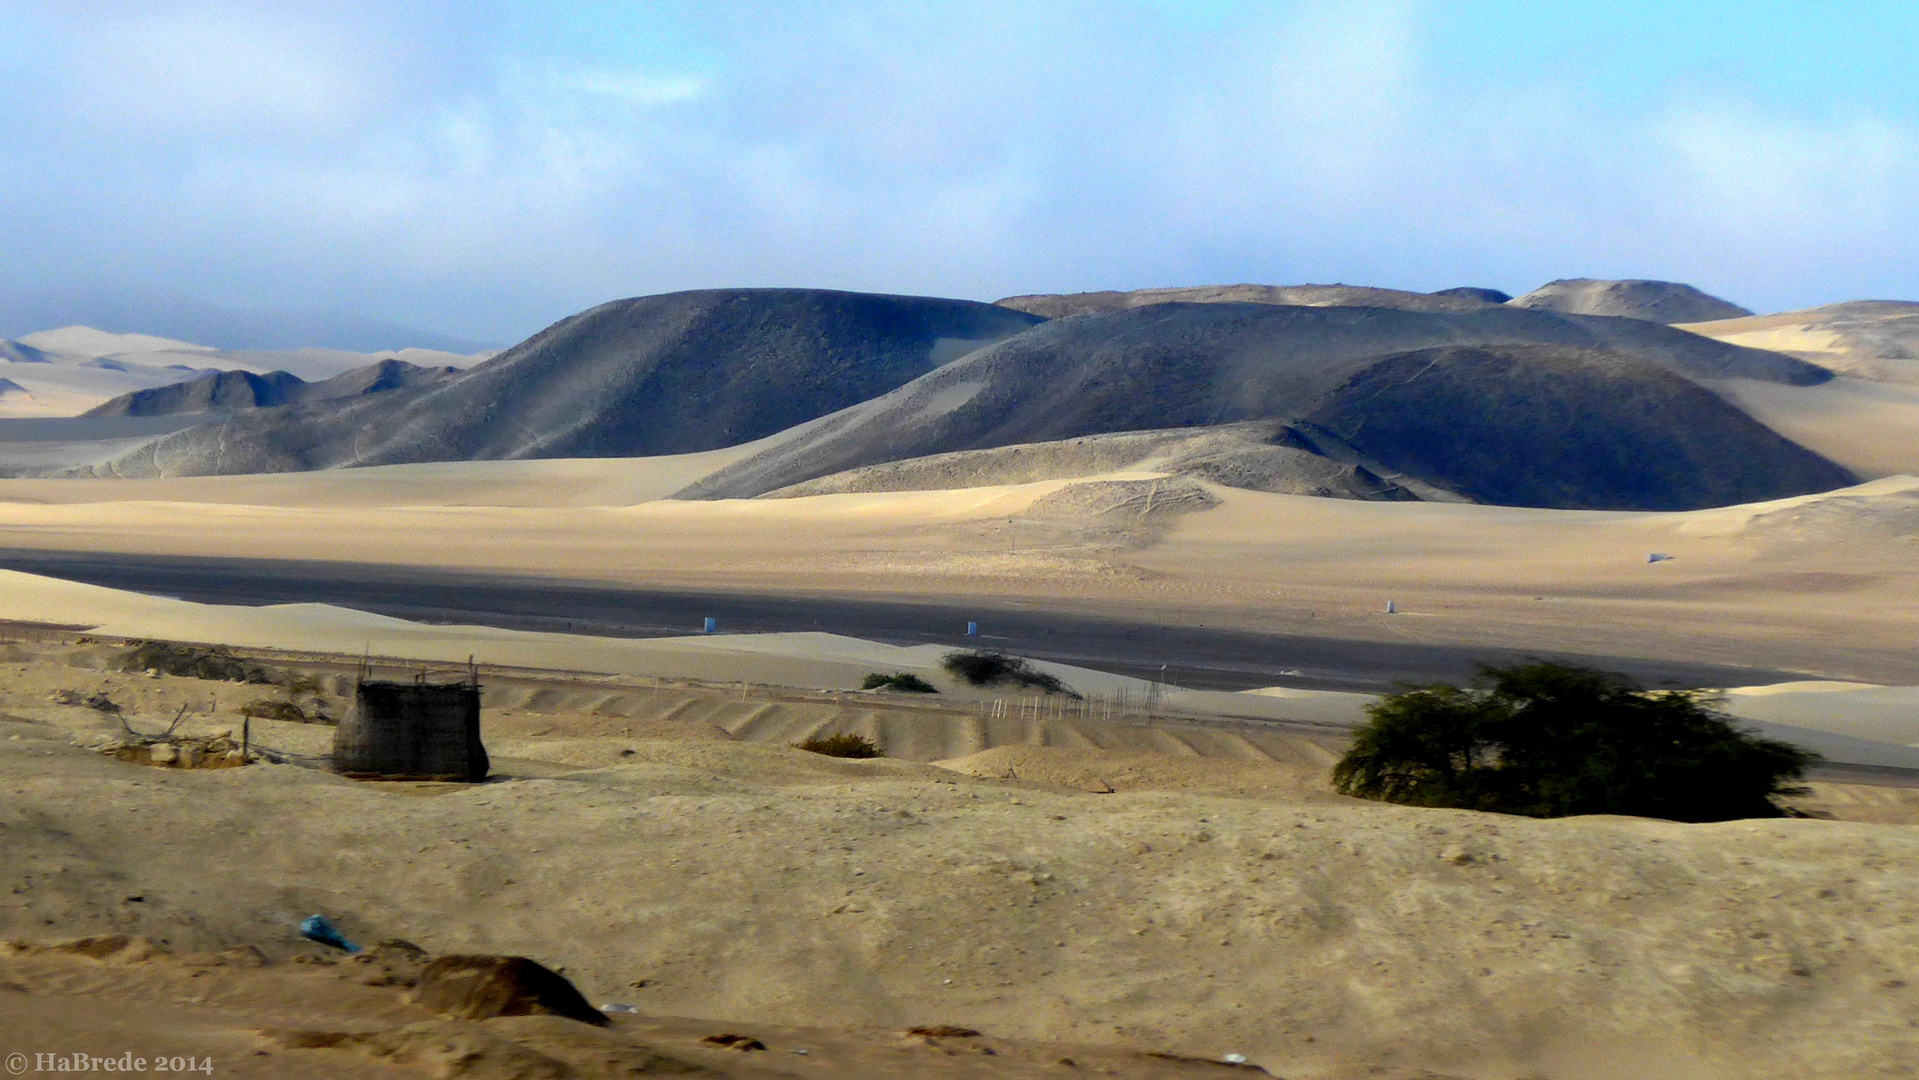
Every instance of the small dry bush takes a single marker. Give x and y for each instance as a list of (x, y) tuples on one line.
[(192, 662), (983, 667), (276, 710), (841, 746), (904, 680)]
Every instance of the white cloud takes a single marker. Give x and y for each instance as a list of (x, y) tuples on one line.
[(413, 167), (198, 73), (634, 87)]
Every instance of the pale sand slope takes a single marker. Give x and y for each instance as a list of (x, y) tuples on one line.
[(1871, 428), (1869, 339), (544, 483), (1862, 710), (758, 884), (76, 368), (86, 343), (1824, 584), (68, 386), (808, 660), (1807, 714)]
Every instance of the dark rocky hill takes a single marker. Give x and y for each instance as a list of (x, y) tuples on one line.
[(655, 375), (1544, 425), (1654, 301), (1491, 402), (1490, 296), (1062, 305), (1200, 365), (234, 391)]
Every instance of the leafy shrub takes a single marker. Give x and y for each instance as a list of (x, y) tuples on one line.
[(904, 680), (844, 746), (983, 667), (1549, 740)]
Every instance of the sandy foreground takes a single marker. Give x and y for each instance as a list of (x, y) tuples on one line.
[(1090, 892)]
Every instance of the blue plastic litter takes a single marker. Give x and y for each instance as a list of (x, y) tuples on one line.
[(321, 929)]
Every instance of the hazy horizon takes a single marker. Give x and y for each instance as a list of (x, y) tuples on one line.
[(479, 171)]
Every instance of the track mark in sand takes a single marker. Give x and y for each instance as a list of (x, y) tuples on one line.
[(544, 701), (679, 709), (1033, 733), (969, 736), (761, 723), (803, 731), (1070, 734), (868, 723), (1168, 743), (1231, 744), (614, 704), (1290, 749)]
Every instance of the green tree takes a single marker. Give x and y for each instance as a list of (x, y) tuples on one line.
[(1548, 740)]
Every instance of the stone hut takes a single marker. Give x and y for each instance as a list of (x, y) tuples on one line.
[(413, 730)]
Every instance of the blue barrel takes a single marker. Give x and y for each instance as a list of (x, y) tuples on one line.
[(972, 629), (711, 626)]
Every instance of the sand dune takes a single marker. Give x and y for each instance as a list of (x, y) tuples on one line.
[(1569, 581), (55, 384), (1236, 455), (839, 662), (1869, 339), (77, 368), (1871, 428)]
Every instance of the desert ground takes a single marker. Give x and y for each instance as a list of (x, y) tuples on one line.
[(1133, 897), (1827, 585)]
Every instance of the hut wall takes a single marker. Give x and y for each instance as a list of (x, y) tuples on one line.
[(412, 731)]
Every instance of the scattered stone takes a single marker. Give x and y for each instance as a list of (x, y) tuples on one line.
[(217, 751), (735, 1042), (114, 948), (1457, 854), (392, 962), (480, 987), (244, 956), (944, 1031)]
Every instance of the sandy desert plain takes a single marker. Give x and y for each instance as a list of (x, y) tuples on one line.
[(1175, 894)]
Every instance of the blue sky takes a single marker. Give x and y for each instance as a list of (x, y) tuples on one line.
[(483, 168)]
